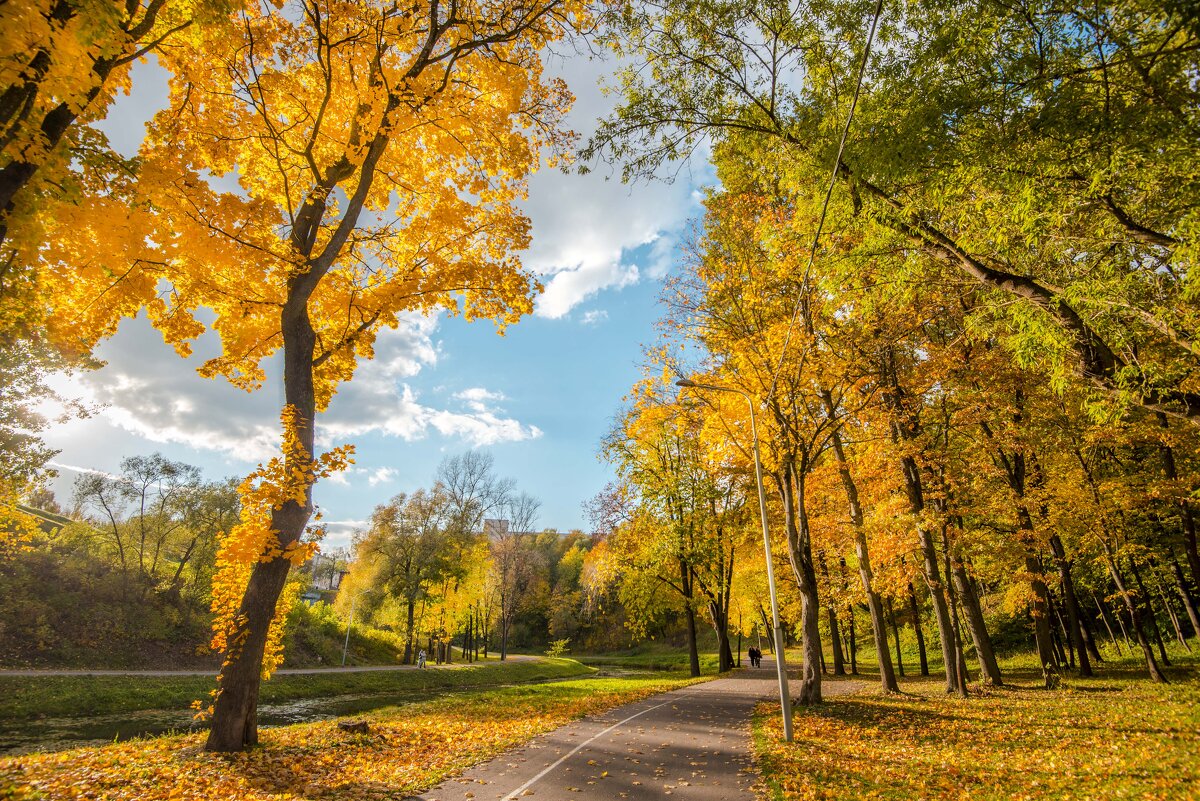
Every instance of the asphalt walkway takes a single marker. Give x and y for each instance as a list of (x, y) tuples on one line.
[(692, 743)]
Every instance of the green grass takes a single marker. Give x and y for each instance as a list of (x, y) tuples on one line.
[(651, 656), (24, 698), (408, 749), (1117, 735)]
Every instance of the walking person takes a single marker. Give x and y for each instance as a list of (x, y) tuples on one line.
[(421, 659)]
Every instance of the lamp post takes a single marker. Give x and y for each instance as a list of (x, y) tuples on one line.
[(353, 600), (780, 666)]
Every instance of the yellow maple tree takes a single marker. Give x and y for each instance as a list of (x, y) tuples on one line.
[(379, 154)]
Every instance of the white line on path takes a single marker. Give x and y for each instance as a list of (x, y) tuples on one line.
[(513, 795)]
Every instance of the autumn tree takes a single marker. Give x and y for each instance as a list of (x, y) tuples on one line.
[(1098, 286), (686, 518), (516, 567), (413, 547), (379, 153)]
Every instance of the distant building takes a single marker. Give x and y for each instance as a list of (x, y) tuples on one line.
[(495, 528)]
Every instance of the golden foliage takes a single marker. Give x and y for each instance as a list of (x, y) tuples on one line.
[(254, 540)]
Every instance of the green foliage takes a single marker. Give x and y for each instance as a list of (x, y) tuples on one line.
[(63, 604), (315, 636), (558, 648)]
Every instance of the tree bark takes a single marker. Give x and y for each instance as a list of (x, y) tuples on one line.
[(835, 638), (887, 674), (904, 429), (792, 486), (915, 610), (853, 642), (1134, 616), (989, 668), (235, 714), (1186, 518), (1189, 603), (685, 579), (896, 631), (1071, 601), (1149, 613), (963, 675)]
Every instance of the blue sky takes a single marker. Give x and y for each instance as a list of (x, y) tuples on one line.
[(539, 398)]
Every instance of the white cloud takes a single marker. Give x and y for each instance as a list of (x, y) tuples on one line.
[(147, 390), (594, 317), (478, 398), (482, 428), (340, 533), (77, 469), (584, 226), (382, 475)]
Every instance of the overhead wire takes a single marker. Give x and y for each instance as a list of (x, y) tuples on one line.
[(837, 163)]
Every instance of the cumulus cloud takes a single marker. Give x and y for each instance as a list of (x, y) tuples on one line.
[(147, 390), (585, 226), (478, 399), (381, 475)]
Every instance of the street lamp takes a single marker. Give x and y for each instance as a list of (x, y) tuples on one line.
[(353, 599), (780, 666)]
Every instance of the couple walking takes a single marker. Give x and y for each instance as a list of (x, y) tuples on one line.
[(755, 655)]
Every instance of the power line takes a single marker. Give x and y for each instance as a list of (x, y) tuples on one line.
[(837, 162)]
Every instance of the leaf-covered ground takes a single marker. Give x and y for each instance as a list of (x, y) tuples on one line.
[(408, 748), (1112, 737)]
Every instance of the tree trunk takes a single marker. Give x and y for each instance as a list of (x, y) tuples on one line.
[(766, 623), (410, 630), (721, 626), (1189, 603), (896, 631), (853, 643), (235, 711), (1186, 518), (887, 674), (686, 583), (904, 428), (933, 578), (989, 668), (505, 621), (1063, 647), (1107, 613), (1174, 620), (1134, 616), (693, 653), (961, 669), (800, 558), (835, 637), (915, 610), (1149, 613), (1071, 601)]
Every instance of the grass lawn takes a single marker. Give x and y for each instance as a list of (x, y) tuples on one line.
[(28, 697), (651, 656), (1114, 736), (408, 749)]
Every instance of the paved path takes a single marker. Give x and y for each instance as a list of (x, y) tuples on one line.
[(692, 743)]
